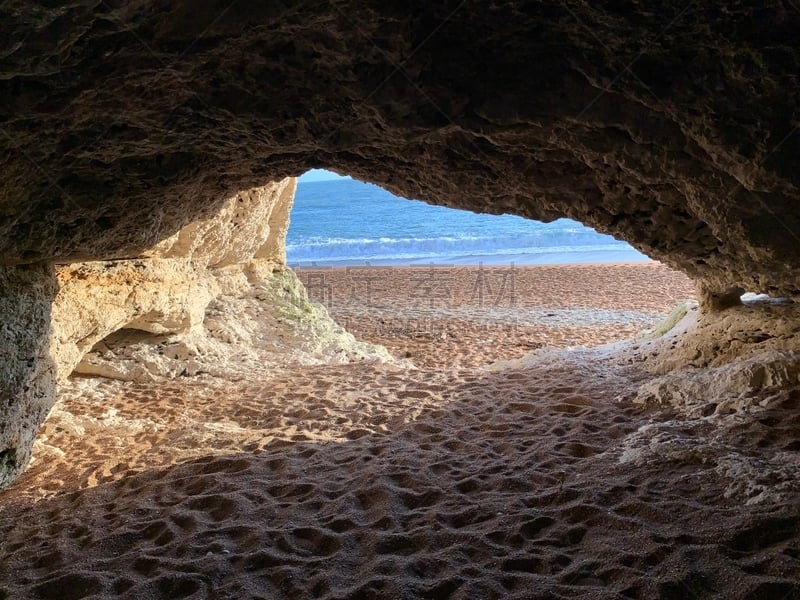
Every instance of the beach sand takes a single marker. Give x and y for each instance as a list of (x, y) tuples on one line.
[(471, 316), (430, 478)]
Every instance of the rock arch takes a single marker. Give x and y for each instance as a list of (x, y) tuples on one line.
[(674, 129)]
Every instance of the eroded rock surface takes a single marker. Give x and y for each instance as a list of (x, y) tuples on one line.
[(256, 319), (673, 127), (27, 372), (168, 289), (716, 363)]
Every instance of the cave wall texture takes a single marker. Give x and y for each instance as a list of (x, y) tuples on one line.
[(671, 125)]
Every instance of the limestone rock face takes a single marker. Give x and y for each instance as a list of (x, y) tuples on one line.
[(215, 298), (27, 372), (253, 318), (716, 363), (167, 290), (251, 224), (673, 127), (157, 296)]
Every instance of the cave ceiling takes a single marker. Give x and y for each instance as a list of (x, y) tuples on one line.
[(671, 125)]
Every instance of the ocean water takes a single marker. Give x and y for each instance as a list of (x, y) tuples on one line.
[(346, 222)]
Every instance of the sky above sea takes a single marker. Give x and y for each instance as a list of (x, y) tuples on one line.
[(340, 221)]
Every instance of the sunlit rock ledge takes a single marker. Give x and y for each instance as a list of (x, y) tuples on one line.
[(214, 298)]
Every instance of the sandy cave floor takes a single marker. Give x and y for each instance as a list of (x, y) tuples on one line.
[(437, 480)]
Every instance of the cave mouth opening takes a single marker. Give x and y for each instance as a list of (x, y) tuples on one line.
[(443, 286)]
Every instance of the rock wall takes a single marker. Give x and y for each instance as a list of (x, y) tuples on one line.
[(722, 362), (27, 371), (251, 225), (168, 289), (215, 299)]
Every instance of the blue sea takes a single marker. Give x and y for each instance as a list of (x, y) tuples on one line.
[(345, 222)]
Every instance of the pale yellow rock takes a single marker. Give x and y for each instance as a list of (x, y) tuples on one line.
[(274, 249), (263, 322), (215, 299), (157, 296), (251, 224)]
